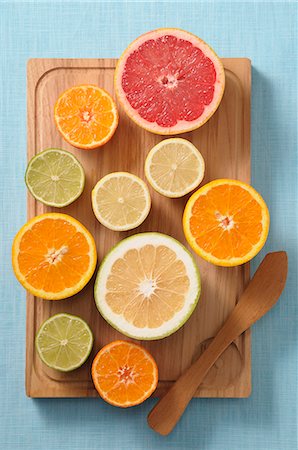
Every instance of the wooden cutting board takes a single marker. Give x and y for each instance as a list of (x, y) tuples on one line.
[(225, 144)]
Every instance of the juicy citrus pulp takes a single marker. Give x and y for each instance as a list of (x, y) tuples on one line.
[(147, 286), (121, 201), (55, 177), (64, 342), (169, 81), (174, 167), (124, 374), (86, 116), (226, 222), (53, 256)]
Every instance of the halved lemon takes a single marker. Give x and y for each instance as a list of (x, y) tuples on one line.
[(121, 201), (174, 167), (147, 286)]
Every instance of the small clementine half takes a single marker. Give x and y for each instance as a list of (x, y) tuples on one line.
[(124, 374), (86, 116), (53, 256), (226, 222)]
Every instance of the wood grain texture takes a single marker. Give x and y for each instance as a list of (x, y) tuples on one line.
[(259, 297), (225, 144)]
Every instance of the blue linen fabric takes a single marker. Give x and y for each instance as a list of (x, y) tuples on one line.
[(265, 32)]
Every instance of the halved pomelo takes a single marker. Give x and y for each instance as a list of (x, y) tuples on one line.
[(169, 81), (147, 286)]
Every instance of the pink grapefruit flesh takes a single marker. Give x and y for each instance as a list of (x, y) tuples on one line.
[(169, 81)]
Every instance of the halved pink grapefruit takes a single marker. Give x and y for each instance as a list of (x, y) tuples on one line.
[(169, 81)]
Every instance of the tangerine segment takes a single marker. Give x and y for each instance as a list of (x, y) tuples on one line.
[(124, 374), (226, 222), (53, 256), (86, 116)]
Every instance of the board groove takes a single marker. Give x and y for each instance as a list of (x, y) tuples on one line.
[(225, 144)]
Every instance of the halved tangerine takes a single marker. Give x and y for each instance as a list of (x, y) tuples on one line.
[(124, 374), (86, 116)]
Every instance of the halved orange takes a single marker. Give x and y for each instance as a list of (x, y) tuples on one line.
[(86, 116), (53, 256), (124, 374), (226, 222)]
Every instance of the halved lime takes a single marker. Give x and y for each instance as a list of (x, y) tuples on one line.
[(64, 342), (55, 177)]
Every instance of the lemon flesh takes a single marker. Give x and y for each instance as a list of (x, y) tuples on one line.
[(121, 201)]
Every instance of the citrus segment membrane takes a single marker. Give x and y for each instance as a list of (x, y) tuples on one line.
[(147, 286), (124, 374), (169, 81), (64, 342)]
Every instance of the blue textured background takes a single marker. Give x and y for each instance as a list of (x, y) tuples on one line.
[(266, 32)]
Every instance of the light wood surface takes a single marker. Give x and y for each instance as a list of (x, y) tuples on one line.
[(225, 144), (259, 297)]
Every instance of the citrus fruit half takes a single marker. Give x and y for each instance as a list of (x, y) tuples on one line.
[(55, 177), (121, 201), (147, 286), (169, 81), (86, 116), (124, 374), (53, 256), (64, 342), (226, 222), (174, 167)]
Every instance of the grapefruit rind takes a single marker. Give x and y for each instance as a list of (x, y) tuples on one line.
[(67, 292), (231, 262), (182, 126), (179, 319)]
